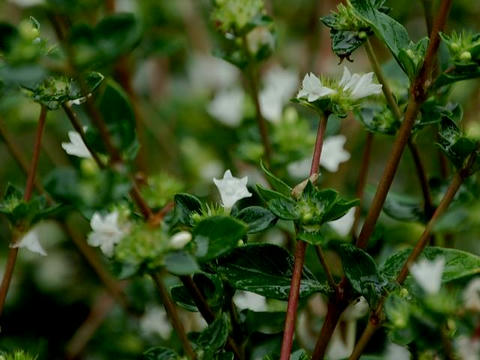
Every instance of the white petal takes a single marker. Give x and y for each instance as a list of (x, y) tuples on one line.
[(227, 107), (231, 189), (76, 146), (343, 225), (428, 274), (345, 77), (180, 239), (106, 232), (31, 242), (471, 295), (333, 153), (249, 300)]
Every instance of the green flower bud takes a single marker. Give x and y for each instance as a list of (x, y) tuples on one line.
[(27, 30), (466, 56), (362, 35)]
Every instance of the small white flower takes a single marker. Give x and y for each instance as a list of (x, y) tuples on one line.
[(106, 232), (279, 87), (396, 352), (299, 169), (471, 295), (231, 189), (333, 153), (155, 322), (76, 146), (428, 274), (207, 72), (30, 241), (468, 348), (180, 239), (343, 225), (359, 86), (227, 107), (27, 3), (249, 300), (259, 37), (312, 88)]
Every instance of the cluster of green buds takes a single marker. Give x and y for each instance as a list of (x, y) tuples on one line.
[(464, 47), (17, 355), (247, 30), (23, 43), (237, 16), (347, 31)]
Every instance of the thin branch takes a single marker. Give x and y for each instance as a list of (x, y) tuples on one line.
[(173, 315), (418, 93), (206, 311), (77, 125), (328, 273), (374, 322), (421, 174), (300, 249), (254, 91), (12, 253), (362, 178)]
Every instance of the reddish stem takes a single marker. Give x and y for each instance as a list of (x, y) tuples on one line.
[(301, 246)]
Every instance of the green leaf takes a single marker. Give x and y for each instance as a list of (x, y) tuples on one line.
[(299, 355), (391, 32), (276, 183), (113, 36), (180, 263), (118, 114), (377, 118), (285, 209), (257, 218), (160, 353), (214, 337), (216, 236), (266, 269), (210, 286), (456, 146), (403, 208), (458, 263), (185, 206), (456, 74), (266, 322), (267, 194), (362, 272)]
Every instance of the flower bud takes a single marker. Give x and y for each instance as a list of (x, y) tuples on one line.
[(466, 56), (180, 239)]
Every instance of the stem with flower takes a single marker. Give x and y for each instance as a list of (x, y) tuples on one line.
[(12, 253)]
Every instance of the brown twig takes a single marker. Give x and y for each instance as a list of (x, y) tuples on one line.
[(374, 322), (418, 93), (12, 253), (173, 315), (301, 246)]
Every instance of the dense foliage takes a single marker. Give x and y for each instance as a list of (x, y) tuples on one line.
[(212, 179)]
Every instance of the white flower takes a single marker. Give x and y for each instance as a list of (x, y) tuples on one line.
[(299, 169), (279, 87), (249, 300), (471, 295), (30, 241), (396, 352), (76, 146), (259, 37), (468, 348), (333, 153), (106, 232), (312, 88), (207, 72), (359, 86), (155, 322), (227, 107), (428, 274), (27, 3), (231, 189), (343, 225), (180, 239)]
